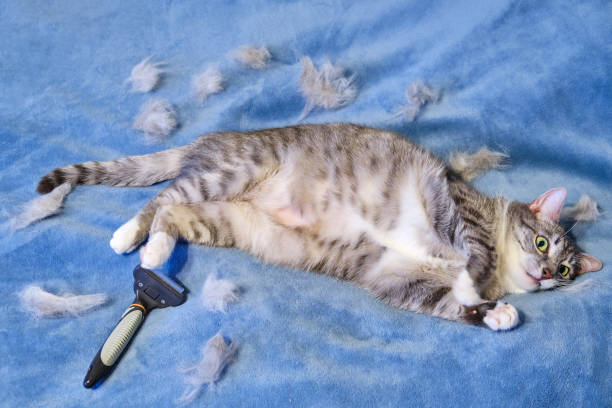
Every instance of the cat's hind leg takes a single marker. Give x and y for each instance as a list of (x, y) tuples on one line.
[(220, 223), (131, 234), (210, 177), (182, 190)]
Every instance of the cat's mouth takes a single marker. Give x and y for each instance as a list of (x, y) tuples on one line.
[(528, 278), (527, 281), (532, 278)]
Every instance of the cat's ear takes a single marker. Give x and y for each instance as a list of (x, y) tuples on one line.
[(548, 206), (588, 263)]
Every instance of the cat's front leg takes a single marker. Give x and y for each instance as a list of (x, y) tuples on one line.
[(131, 234), (494, 315), (424, 296)]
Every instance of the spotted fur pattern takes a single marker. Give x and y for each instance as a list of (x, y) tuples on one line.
[(360, 204)]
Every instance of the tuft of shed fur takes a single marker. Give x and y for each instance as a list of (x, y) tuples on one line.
[(216, 355), (44, 304), (253, 57), (145, 76), (41, 207), (584, 210), (327, 88), (207, 83), (418, 95), (156, 118), (217, 293), (469, 166)]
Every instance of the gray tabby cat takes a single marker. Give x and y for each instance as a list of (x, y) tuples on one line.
[(360, 204)]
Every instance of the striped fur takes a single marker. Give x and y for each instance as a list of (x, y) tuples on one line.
[(128, 171), (360, 204)]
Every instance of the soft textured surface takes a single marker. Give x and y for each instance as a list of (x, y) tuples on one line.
[(531, 79)]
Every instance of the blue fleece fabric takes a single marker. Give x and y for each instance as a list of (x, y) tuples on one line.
[(530, 78)]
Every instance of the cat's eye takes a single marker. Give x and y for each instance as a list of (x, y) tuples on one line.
[(541, 243), (564, 270)]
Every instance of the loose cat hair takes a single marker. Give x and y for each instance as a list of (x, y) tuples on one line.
[(361, 204)]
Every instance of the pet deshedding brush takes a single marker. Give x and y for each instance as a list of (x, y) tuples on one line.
[(152, 291)]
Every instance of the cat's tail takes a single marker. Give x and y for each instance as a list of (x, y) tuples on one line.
[(128, 171)]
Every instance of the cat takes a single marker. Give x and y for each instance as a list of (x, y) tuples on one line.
[(357, 203)]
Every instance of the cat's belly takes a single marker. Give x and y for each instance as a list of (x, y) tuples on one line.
[(319, 213)]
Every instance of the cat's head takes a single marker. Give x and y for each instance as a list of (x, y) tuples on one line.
[(540, 254)]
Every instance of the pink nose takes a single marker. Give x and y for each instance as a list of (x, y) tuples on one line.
[(546, 274)]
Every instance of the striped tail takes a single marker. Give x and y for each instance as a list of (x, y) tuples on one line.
[(128, 171)]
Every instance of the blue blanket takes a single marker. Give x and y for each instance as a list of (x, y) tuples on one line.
[(529, 78)]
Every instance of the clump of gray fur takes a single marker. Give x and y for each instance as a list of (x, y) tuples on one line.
[(145, 76), (156, 118), (253, 57), (217, 293), (418, 95), (469, 166), (584, 210), (327, 88), (41, 207), (216, 355), (44, 304), (207, 83)]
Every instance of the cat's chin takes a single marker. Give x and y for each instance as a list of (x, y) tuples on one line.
[(529, 283), (521, 281), (547, 284)]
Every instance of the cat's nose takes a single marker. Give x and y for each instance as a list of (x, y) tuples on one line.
[(546, 274)]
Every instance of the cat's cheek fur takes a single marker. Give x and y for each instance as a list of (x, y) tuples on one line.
[(513, 268)]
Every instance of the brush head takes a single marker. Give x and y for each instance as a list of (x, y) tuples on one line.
[(157, 290)]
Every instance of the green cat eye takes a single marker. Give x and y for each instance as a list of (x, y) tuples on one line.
[(541, 243), (564, 270)]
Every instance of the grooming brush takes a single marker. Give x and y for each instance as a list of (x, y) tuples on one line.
[(152, 291)]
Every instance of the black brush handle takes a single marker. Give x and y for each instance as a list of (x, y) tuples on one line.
[(115, 344)]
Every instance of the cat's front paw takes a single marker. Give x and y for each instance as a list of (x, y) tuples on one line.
[(157, 251), (503, 316), (127, 237)]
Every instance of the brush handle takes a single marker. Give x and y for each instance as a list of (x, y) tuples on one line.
[(115, 344)]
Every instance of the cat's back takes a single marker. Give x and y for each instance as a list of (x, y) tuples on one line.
[(330, 142)]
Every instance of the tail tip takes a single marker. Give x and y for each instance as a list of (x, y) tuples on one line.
[(45, 185)]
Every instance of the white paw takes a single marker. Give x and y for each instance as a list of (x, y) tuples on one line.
[(503, 317), (127, 237), (157, 251), (464, 291)]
